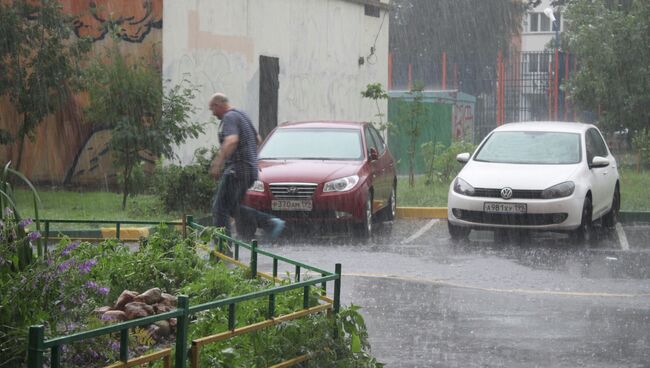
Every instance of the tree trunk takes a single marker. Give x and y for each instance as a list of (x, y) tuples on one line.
[(125, 188)]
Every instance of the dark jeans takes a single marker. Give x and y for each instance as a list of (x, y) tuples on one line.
[(227, 203)]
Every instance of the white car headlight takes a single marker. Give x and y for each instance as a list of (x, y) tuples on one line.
[(463, 187), (341, 185), (258, 186), (558, 191)]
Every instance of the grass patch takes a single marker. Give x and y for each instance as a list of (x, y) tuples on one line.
[(421, 195), (59, 204), (635, 191), (75, 205)]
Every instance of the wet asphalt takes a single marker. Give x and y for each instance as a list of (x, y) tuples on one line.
[(523, 300)]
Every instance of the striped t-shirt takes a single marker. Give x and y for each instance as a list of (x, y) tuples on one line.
[(244, 158)]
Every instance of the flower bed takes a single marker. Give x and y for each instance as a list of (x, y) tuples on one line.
[(63, 290)]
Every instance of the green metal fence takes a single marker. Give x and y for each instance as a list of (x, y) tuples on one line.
[(38, 345)]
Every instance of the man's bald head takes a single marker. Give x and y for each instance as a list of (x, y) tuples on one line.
[(219, 104)]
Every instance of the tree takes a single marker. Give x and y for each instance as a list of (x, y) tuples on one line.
[(39, 63), (128, 98), (611, 39), (376, 92), (409, 123)]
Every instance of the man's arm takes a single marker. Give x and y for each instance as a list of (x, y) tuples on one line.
[(227, 148)]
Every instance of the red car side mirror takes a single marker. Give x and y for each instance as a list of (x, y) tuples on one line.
[(373, 155)]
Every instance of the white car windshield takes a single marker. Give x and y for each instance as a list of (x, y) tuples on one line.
[(313, 144), (528, 147)]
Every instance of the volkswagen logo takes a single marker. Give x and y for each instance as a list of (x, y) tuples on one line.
[(506, 193)]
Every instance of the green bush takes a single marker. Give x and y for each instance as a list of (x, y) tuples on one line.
[(641, 143), (186, 188), (62, 291), (441, 161)]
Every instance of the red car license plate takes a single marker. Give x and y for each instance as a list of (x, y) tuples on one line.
[(291, 205)]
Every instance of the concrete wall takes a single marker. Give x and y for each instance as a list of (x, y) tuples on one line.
[(216, 44)]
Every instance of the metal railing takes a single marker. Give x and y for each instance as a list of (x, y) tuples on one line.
[(38, 345)]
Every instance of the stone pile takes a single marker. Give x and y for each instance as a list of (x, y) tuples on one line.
[(131, 305)]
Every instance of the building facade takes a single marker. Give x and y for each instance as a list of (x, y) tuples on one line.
[(278, 60)]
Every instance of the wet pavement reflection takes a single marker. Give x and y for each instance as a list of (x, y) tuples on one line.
[(517, 301)]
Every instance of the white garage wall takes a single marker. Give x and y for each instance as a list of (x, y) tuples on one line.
[(216, 44)]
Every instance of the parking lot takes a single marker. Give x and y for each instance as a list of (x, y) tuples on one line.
[(525, 300)]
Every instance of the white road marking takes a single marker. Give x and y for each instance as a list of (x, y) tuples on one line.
[(622, 238), (419, 233)]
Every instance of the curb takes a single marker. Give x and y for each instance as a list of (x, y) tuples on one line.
[(422, 212), (135, 233)]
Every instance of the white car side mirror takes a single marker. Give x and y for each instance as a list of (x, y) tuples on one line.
[(599, 161), (462, 157)]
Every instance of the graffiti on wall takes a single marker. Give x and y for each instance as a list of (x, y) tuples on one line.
[(463, 122), (131, 20)]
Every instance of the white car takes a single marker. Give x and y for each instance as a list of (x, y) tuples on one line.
[(536, 176)]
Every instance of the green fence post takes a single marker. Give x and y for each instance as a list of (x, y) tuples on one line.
[(337, 288), (117, 230), (271, 312), (231, 316), (305, 297), (124, 345), (55, 356), (254, 259), (297, 276), (236, 251), (35, 347), (47, 234), (275, 268), (189, 220), (181, 331), (323, 285)]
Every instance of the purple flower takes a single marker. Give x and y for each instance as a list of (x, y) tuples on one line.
[(114, 345), (85, 267), (8, 211), (91, 285), (65, 265), (25, 222), (70, 247), (34, 235), (103, 290)]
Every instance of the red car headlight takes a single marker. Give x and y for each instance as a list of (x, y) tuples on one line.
[(258, 186), (341, 185)]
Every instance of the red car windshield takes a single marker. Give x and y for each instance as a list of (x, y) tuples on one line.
[(313, 144)]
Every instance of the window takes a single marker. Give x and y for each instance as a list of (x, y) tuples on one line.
[(380, 142), (539, 22), (371, 10), (313, 144), (534, 22), (370, 141)]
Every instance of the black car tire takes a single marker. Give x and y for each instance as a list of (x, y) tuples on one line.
[(388, 213), (364, 229), (458, 233), (584, 232), (611, 218)]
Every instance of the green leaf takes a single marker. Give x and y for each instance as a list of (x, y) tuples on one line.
[(356, 343)]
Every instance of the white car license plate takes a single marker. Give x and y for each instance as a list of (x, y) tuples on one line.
[(291, 205), (497, 207)]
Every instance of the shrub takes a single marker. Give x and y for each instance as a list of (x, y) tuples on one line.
[(186, 188), (441, 162), (641, 143)]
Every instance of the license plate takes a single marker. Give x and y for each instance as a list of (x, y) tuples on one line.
[(291, 205), (497, 207)]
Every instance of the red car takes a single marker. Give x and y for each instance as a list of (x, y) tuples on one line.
[(326, 171)]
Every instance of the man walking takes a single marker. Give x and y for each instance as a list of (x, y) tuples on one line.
[(237, 156)]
